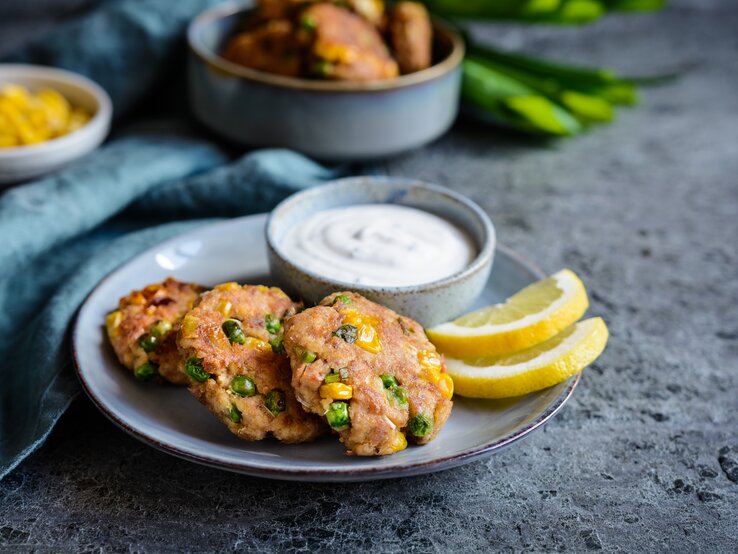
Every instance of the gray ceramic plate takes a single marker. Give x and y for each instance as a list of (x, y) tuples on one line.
[(171, 420)]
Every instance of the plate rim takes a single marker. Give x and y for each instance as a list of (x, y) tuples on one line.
[(313, 475)]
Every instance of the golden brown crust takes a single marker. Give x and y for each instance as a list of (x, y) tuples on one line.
[(343, 40), (138, 312), (376, 416), (202, 338), (411, 36), (270, 47), (371, 10), (344, 46)]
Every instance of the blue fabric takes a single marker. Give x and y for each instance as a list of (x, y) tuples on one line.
[(63, 233), (131, 48)]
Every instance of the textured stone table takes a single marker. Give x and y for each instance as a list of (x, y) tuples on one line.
[(646, 210)]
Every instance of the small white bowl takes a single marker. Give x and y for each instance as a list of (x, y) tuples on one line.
[(24, 162), (427, 303)]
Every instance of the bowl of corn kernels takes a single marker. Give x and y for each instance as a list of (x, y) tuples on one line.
[(48, 118)]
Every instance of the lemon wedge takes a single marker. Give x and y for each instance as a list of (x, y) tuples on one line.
[(532, 369), (534, 314)]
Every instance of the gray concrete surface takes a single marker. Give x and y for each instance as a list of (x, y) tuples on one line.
[(645, 456)]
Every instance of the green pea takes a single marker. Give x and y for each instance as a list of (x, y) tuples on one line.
[(400, 395), (148, 342), (322, 68), (146, 371), (308, 23), (343, 298), (338, 416), (420, 426), (309, 357), (243, 385), (388, 381), (275, 402), (347, 333), (193, 368), (332, 378), (272, 324), (160, 328), (233, 331), (235, 414), (276, 344)]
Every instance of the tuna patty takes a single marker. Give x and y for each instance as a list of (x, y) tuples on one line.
[(143, 329), (411, 36), (370, 372), (231, 350), (343, 46)]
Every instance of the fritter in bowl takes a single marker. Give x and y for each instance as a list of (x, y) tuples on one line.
[(232, 354), (372, 374), (371, 10), (343, 46), (272, 47), (411, 36), (143, 329)]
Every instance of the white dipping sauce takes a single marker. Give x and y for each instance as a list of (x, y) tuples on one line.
[(379, 245)]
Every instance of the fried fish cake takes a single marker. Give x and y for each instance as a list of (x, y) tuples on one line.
[(143, 329), (411, 36), (232, 353), (371, 10), (271, 47), (343, 46), (370, 372)]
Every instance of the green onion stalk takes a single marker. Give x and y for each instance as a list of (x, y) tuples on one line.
[(534, 95), (567, 12)]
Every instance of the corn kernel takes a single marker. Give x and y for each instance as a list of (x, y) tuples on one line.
[(137, 298), (112, 322), (6, 127), (429, 358), (189, 326), (399, 442), (228, 286), (446, 384), (8, 140), (431, 364), (367, 337), (338, 53), (257, 344), (32, 118), (55, 102), (17, 95), (337, 391), (224, 307), (27, 134)]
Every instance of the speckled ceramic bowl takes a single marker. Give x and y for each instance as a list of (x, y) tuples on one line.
[(324, 119), (428, 303)]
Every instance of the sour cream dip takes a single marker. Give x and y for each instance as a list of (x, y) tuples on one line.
[(379, 245)]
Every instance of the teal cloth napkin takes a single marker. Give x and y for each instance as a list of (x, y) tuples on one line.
[(63, 233)]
